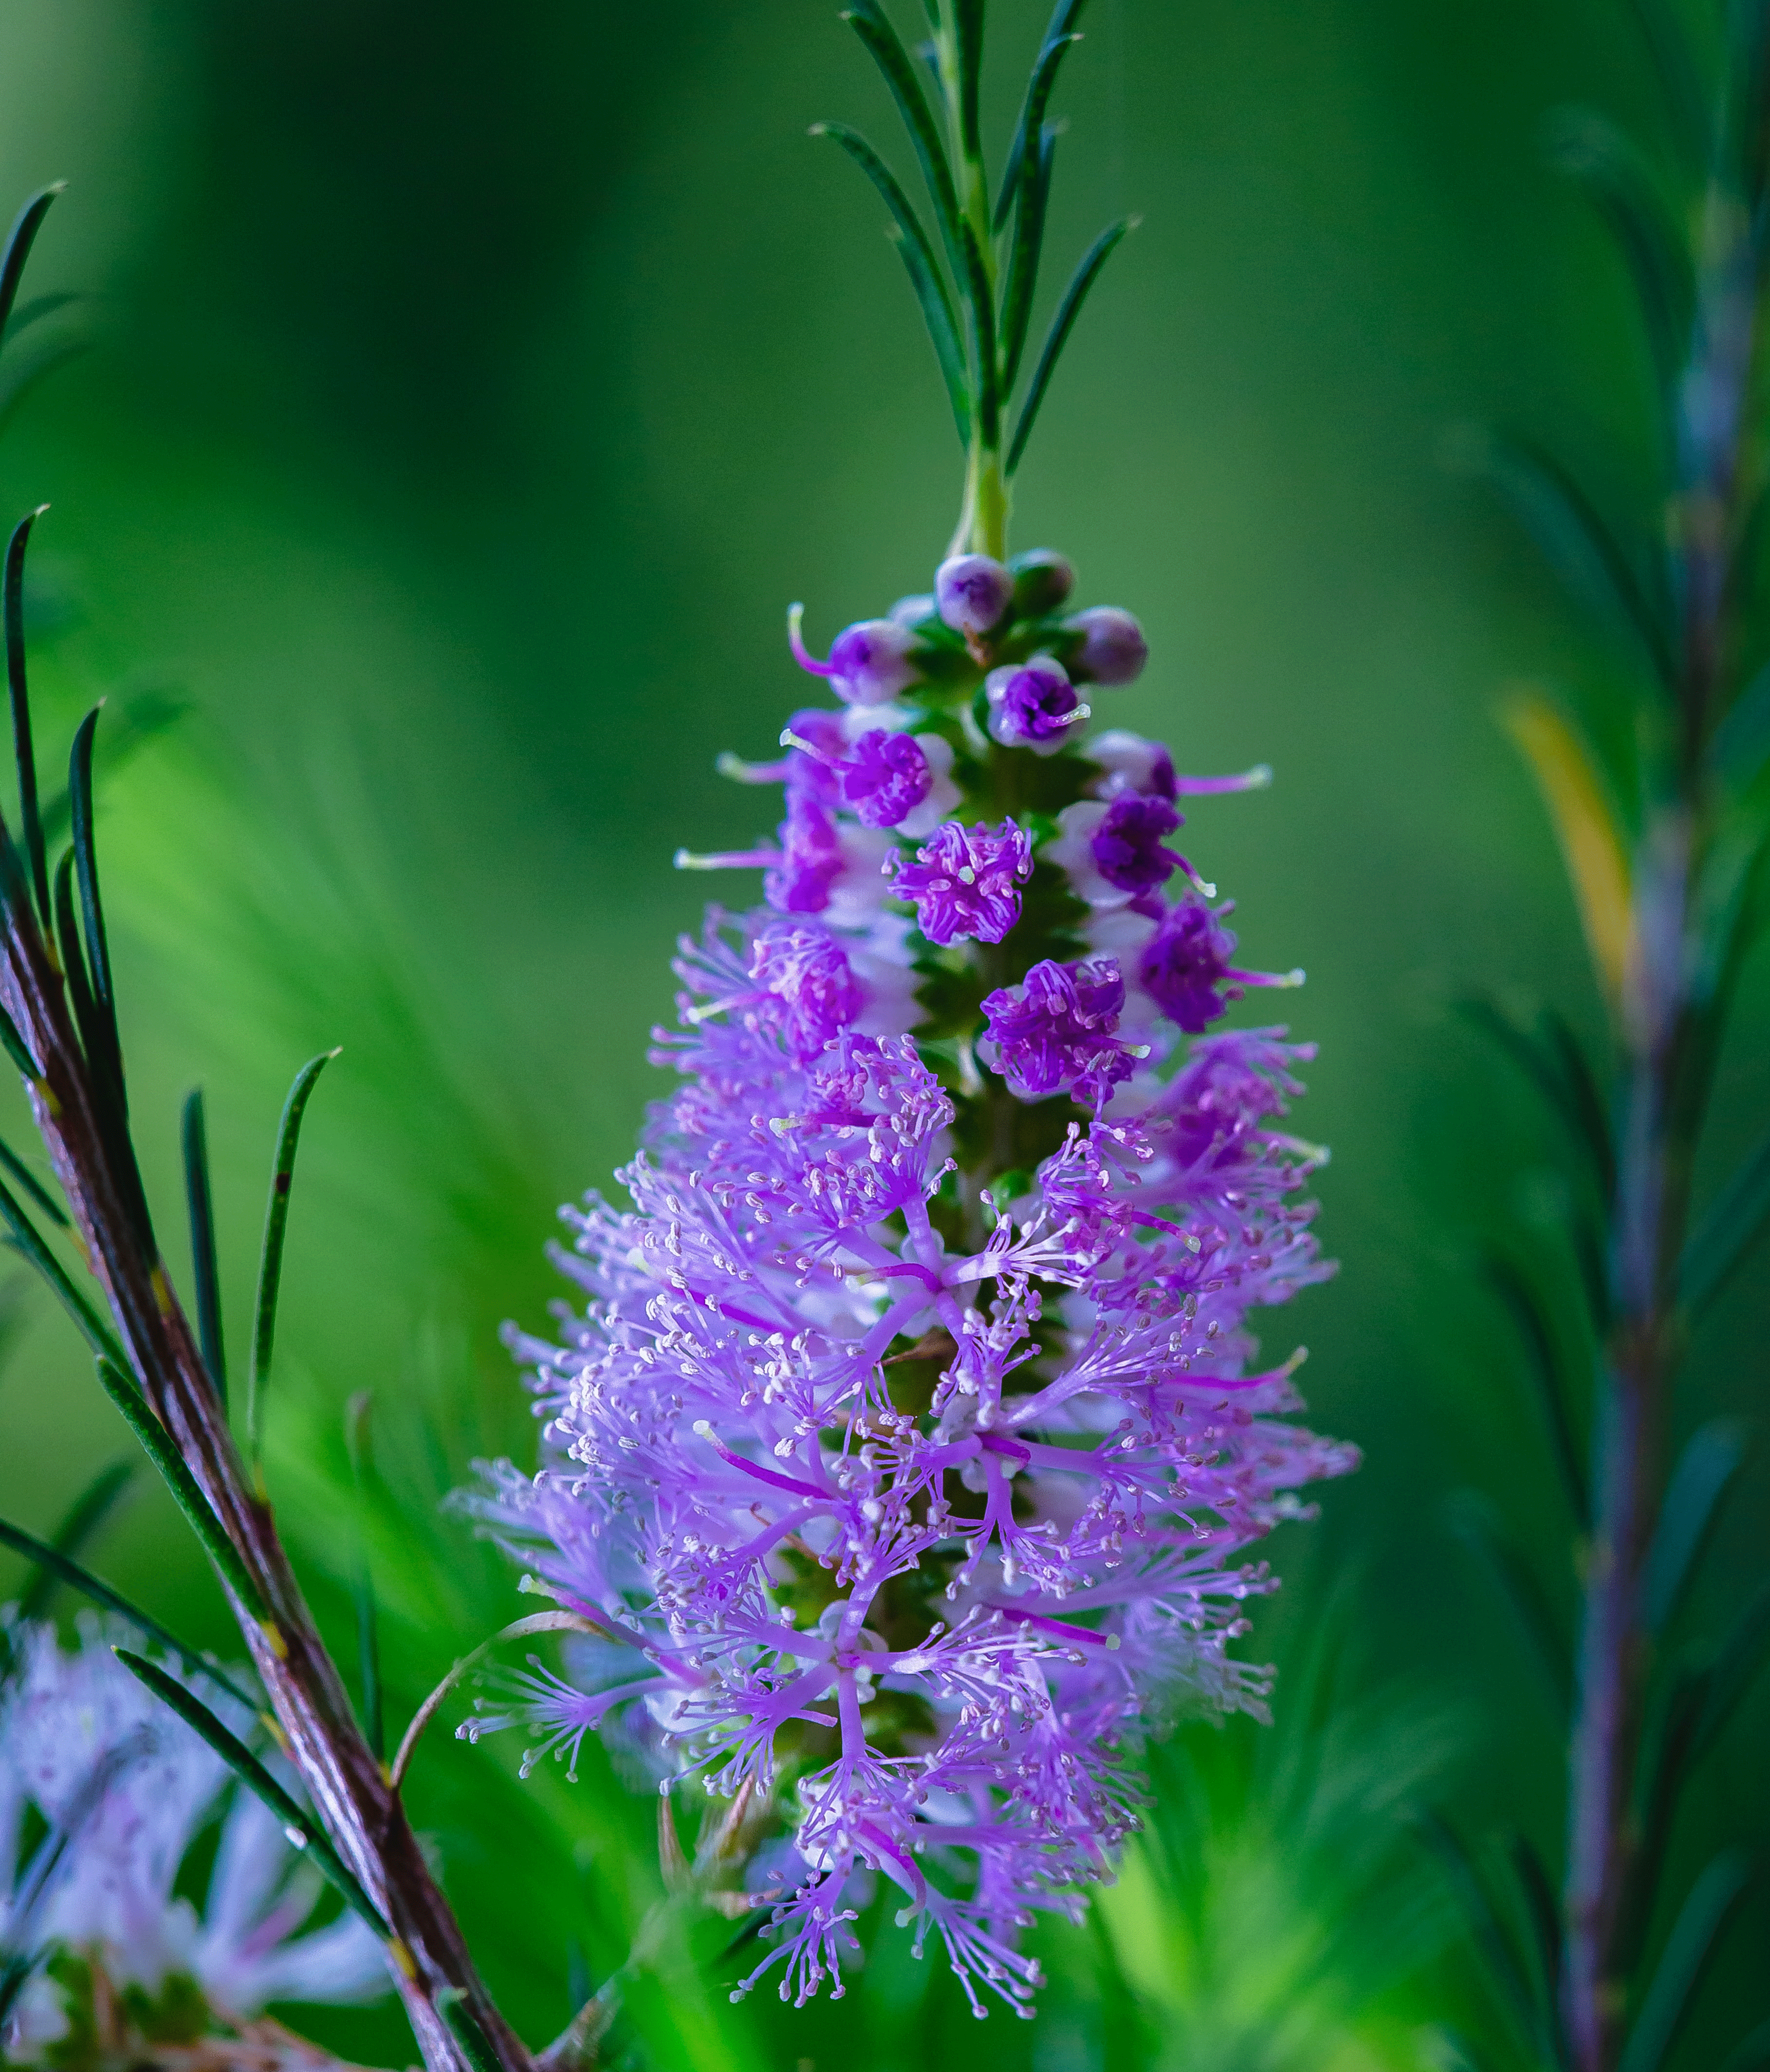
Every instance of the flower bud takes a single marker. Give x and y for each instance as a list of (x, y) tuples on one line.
[(1032, 704), (871, 662), (912, 610), (1042, 579), (972, 592), (1113, 648)]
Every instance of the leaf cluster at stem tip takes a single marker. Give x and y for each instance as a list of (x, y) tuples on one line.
[(974, 278)]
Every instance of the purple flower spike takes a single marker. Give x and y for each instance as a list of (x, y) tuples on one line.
[(1056, 1031), (1185, 965), (1127, 844), (972, 591), (870, 662), (1033, 705), (885, 777), (1113, 649), (966, 880)]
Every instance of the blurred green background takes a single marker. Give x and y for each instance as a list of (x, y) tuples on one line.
[(470, 390)]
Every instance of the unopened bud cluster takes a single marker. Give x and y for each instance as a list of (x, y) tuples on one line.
[(909, 1441)]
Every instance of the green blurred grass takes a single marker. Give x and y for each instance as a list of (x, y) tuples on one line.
[(470, 394)]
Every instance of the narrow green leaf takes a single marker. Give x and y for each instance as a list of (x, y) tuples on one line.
[(301, 1827), (142, 721), (31, 1247), (275, 1224), (368, 1652), (1061, 325), (1736, 1666), (1664, 1765), (12, 611), (204, 1266), (1478, 1525), (1676, 72), (1486, 1924), (1542, 1914), (15, 1049), (82, 832), (70, 1571), (989, 393), (1690, 1949), (1051, 53), (1740, 743), (158, 1444), (475, 2044), (1546, 1370), (932, 296), (968, 25), (1579, 544), (19, 240), (1029, 238), (1551, 1060), (1752, 2053), (40, 306), (1732, 1225), (85, 1516), (1623, 191), (12, 1163), (1704, 1469), (867, 19)]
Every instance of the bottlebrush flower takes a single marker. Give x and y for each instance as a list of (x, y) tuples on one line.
[(910, 1446), (134, 1789)]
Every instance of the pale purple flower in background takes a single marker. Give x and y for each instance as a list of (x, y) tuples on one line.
[(98, 1754)]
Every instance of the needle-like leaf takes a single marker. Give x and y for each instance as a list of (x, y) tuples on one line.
[(19, 240), (12, 1163), (1059, 36), (1627, 197), (1721, 1242), (276, 1225), (29, 1243), (204, 1266), (82, 832), (932, 296), (1735, 1668), (12, 611), (475, 2044), (867, 19), (1704, 1469), (200, 1514), (85, 1516), (1690, 1949), (1029, 234), (301, 1827), (77, 1577), (1547, 1370), (1478, 1525), (1486, 1925), (1061, 325), (368, 1652), (1583, 548)]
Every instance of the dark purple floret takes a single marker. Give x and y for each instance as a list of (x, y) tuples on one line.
[(1112, 650), (966, 882), (1033, 705), (1127, 844), (1184, 965), (886, 776), (811, 991), (1056, 1031), (811, 858), (972, 592)]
